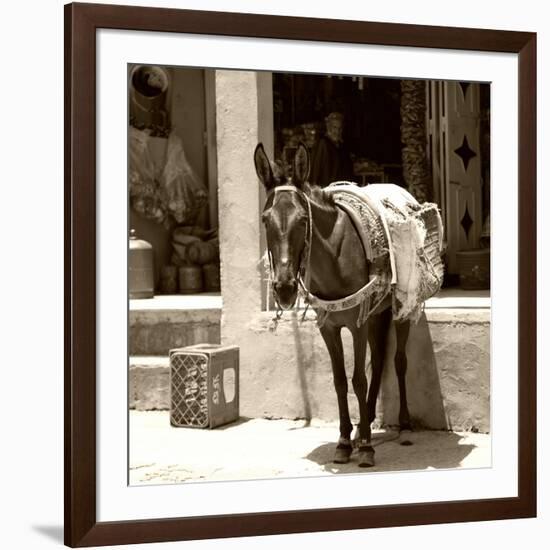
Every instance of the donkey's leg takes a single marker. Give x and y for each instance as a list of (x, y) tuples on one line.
[(360, 386), (333, 341), (402, 335), (379, 326)]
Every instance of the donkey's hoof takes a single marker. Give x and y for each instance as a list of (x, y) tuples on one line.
[(406, 437), (366, 457), (342, 453)]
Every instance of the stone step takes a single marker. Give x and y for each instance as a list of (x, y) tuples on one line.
[(149, 383), (166, 322)]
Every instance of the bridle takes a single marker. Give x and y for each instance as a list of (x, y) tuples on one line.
[(304, 273), (361, 297)]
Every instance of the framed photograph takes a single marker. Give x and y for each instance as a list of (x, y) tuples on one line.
[(300, 275)]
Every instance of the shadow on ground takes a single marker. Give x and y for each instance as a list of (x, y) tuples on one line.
[(430, 450), (239, 422)]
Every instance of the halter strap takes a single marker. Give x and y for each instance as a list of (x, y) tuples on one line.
[(361, 297), (305, 278), (287, 188)]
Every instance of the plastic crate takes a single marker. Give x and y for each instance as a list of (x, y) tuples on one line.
[(204, 385)]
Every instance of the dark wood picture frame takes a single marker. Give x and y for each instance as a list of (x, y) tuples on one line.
[(81, 23)]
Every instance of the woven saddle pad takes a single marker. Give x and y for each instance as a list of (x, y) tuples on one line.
[(403, 241)]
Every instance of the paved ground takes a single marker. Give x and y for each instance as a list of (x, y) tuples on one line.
[(259, 448)]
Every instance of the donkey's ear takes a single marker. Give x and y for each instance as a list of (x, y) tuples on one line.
[(263, 167), (301, 165)]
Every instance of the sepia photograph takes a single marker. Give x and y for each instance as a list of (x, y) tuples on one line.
[(323, 307)]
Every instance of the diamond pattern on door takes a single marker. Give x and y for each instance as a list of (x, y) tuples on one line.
[(465, 152), (466, 221), (457, 128), (464, 86)]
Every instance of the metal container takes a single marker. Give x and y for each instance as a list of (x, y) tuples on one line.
[(211, 275), (190, 279), (204, 385), (141, 280), (169, 279), (201, 252)]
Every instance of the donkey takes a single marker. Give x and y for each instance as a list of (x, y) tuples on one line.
[(311, 239)]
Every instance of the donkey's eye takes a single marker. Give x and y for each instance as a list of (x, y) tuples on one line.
[(265, 215)]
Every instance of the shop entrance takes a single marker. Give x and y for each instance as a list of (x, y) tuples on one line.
[(429, 136), (370, 109), (172, 175)]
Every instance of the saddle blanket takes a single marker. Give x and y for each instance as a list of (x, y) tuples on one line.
[(403, 242)]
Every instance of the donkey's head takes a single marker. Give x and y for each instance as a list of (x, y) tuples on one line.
[(285, 218)]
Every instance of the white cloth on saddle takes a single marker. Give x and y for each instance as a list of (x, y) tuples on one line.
[(373, 200), (414, 240)]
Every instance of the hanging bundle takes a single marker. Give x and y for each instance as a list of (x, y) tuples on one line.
[(163, 185)]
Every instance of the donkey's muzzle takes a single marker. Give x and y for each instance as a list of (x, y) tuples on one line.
[(286, 293)]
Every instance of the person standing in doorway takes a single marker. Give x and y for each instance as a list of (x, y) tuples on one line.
[(331, 159)]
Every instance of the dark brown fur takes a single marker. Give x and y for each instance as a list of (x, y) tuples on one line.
[(338, 268)]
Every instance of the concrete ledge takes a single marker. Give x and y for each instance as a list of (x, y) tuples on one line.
[(165, 322), (287, 373), (458, 316), (178, 302), (149, 383), (456, 298)]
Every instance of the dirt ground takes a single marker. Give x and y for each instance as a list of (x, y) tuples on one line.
[(260, 449)]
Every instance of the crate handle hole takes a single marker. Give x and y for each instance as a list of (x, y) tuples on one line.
[(229, 384)]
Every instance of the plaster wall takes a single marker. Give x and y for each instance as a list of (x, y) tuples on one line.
[(287, 372)]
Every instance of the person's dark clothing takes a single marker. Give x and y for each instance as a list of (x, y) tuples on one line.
[(330, 163)]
